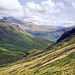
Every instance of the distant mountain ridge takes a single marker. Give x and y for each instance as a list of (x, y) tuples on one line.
[(3, 21), (67, 38), (47, 32), (12, 20)]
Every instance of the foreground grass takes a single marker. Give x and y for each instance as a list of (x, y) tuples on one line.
[(59, 62)]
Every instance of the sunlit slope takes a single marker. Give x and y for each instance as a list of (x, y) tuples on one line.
[(7, 56), (54, 63), (14, 39), (47, 32), (58, 59), (66, 39)]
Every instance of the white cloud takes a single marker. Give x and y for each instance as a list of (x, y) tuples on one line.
[(60, 5), (71, 2), (45, 13), (49, 13), (66, 23), (10, 4), (44, 7), (11, 8), (41, 13)]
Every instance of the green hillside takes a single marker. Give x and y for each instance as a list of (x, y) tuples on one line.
[(16, 43), (47, 32), (58, 59), (66, 39)]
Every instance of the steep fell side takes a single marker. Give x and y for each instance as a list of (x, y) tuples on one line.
[(15, 42)]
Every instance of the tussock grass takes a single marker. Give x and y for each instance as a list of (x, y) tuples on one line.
[(49, 64), (58, 59)]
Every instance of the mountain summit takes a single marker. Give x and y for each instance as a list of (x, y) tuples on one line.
[(12, 20)]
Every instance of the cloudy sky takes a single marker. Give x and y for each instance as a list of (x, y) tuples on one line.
[(41, 12)]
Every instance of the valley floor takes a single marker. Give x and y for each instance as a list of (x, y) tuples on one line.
[(59, 62)]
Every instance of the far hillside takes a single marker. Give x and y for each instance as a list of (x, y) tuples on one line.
[(15, 43), (47, 32)]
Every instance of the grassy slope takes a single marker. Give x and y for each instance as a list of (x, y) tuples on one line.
[(52, 63), (17, 43), (59, 59), (47, 34), (51, 33), (7, 56)]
